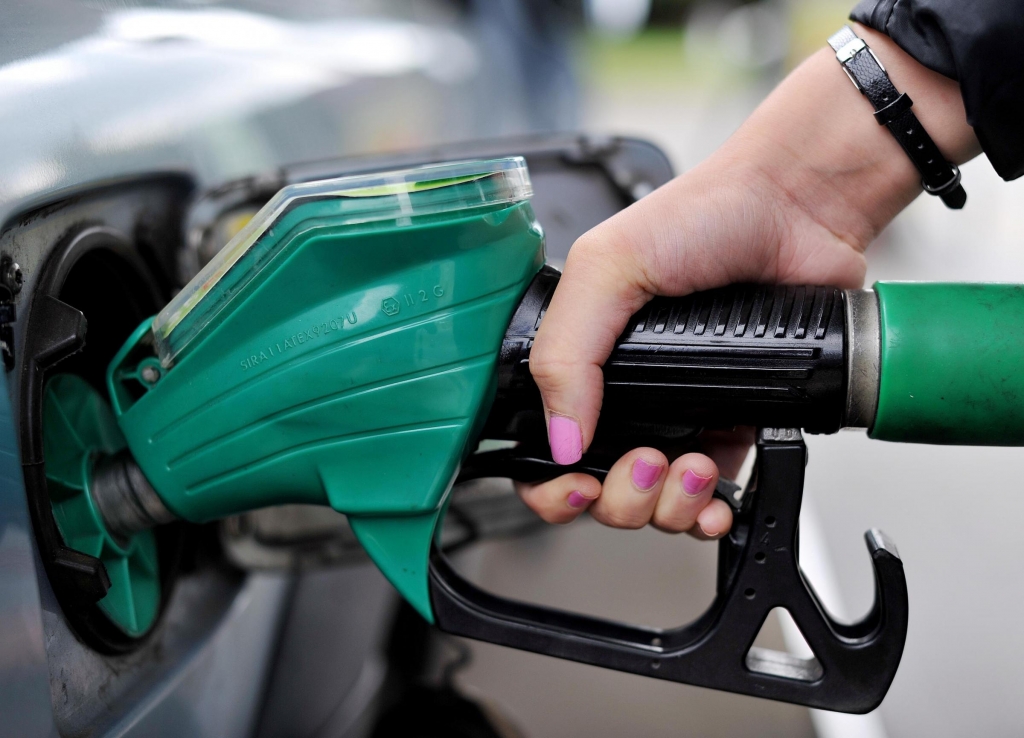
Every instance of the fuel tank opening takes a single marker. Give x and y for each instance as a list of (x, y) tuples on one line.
[(111, 581)]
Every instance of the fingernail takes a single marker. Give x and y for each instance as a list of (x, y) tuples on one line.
[(645, 474), (693, 483), (566, 439), (577, 500), (705, 532)]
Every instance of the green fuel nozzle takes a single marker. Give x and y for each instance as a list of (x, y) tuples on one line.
[(341, 350), (357, 340)]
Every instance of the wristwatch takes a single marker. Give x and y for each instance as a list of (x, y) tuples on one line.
[(892, 110)]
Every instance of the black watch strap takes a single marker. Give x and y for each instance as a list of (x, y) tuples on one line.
[(892, 109)]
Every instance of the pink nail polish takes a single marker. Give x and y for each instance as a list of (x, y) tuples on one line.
[(645, 474), (693, 483), (576, 500), (566, 439)]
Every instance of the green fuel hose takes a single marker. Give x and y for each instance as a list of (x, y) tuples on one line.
[(951, 358)]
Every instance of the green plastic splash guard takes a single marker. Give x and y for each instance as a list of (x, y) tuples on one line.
[(340, 350), (389, 199)]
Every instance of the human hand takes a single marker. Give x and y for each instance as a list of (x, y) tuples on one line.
[(795, 196)]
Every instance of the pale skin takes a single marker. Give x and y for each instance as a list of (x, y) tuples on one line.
[(795, 196)]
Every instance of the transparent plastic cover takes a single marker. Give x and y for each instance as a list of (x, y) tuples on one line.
[(400, 196)]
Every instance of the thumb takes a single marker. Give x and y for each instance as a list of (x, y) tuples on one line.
[(598, 292)]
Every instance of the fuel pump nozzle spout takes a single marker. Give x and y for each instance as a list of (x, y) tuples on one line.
[(124, 498)]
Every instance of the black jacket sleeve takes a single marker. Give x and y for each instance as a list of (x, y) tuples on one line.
[(981, 45)]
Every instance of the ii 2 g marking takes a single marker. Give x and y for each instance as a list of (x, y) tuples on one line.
[(392, 306), (411, 298)]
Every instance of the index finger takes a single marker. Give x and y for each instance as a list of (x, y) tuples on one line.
[(598, 292)]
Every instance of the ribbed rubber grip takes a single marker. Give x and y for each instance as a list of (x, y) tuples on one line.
[(741, 355)]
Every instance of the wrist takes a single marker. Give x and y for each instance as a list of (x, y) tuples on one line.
[(938, 103), (816, 147)]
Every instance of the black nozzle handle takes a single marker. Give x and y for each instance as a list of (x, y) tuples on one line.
[(751, 355), (770, 357), (758, 570)]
